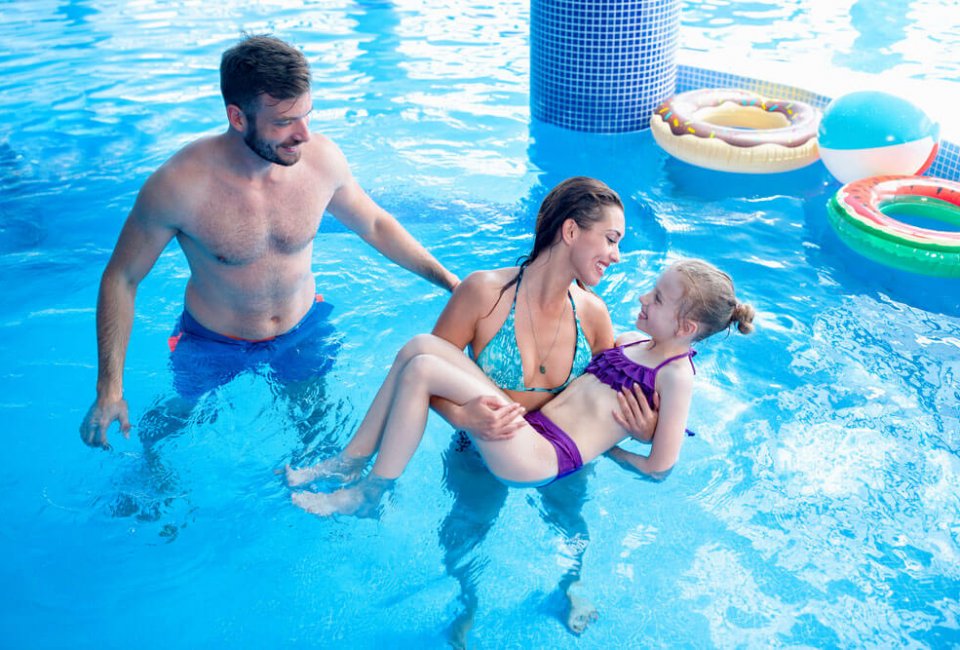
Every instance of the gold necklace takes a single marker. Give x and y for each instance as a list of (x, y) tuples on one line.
[(542, 359)]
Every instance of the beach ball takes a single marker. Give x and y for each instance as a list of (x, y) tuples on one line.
[(870, 133)]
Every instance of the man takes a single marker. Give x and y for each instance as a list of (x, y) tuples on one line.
[(245, 207)]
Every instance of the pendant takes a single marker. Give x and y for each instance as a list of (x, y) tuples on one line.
[(543, 369)]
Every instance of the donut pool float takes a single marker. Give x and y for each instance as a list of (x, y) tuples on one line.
[(737, 131), (862, 213)]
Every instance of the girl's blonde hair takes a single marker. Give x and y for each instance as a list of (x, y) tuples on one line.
[(709, 299)]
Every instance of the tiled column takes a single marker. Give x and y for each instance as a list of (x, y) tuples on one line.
[(602, 65)]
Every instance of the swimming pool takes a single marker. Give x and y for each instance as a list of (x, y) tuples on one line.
[(817, 507)]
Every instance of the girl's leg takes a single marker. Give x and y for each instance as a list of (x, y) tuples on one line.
[(425, 376), (349, 464)]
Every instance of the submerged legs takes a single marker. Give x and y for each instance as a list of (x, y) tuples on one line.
[(394, 425), (562, 503)]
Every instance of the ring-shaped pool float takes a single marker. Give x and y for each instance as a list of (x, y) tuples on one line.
[(862, 213), (737, 131)]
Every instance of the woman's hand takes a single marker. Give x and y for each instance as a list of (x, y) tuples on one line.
[(636, 415), (488, 418)]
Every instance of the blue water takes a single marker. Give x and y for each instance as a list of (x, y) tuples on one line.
[(817, 507)]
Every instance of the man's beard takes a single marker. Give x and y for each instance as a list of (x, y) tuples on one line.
[(262, 149)]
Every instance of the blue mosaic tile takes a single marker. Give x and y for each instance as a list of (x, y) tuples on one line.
[(602, 65)]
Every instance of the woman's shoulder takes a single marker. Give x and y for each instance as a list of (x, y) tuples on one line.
[(586, 299), (488, 280), (594, 318), (482, 289)]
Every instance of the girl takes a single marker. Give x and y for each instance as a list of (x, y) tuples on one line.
[(691, 301)]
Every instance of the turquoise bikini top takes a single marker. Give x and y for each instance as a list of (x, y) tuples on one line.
[(500, 359)]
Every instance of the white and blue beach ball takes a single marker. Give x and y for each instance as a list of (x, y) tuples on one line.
[(871, 133)]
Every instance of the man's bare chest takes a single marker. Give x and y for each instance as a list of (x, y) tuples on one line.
[(241, 227)]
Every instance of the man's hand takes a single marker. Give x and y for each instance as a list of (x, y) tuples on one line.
[(636, 415), (487, 418), (93, 430)]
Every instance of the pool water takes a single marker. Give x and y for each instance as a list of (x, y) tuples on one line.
[(817, 506)]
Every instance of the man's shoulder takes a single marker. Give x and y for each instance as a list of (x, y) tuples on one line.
[(323, 155), (170, 190), (192, 160)]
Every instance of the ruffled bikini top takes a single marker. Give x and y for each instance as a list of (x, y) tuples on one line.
[(618, 371)]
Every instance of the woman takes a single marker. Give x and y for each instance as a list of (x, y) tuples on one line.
[(532, 329)]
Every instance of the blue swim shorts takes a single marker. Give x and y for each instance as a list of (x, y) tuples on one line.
[(202, 359)]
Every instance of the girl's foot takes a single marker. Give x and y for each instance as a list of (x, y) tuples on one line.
[(342, 502), (581, 614), (361, 499), (341, 468)]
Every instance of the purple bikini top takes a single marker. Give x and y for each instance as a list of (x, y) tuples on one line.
[(617, 370)]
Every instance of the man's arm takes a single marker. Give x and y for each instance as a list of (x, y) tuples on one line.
[(352, 207), (141, 241)]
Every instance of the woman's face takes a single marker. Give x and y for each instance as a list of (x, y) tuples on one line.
[(597, 247)]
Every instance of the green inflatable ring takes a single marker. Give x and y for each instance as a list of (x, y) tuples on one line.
[(862, 214)]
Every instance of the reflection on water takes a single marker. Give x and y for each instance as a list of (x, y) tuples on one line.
[(817, 507), (882, 25), (909, 39)]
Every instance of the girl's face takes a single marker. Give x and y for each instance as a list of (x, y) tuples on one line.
[(598, 247), (660, 307)]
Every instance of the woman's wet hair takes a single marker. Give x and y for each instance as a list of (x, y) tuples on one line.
[(579, 198), (709, 299), (262, 65)]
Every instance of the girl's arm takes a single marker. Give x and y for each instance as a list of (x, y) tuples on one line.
[(676, 390)]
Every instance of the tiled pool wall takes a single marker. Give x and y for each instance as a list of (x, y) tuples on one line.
[(604, 66)]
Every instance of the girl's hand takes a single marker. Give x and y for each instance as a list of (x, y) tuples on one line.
[(636, 415)]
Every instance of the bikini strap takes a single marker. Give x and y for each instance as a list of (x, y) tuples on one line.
[(629, 345), (516, 292), (689, 355)]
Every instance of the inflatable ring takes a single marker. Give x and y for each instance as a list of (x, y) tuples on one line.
[(737, 131), (861, 212)]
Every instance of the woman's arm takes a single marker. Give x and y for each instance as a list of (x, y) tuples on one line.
[(482, 417)]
